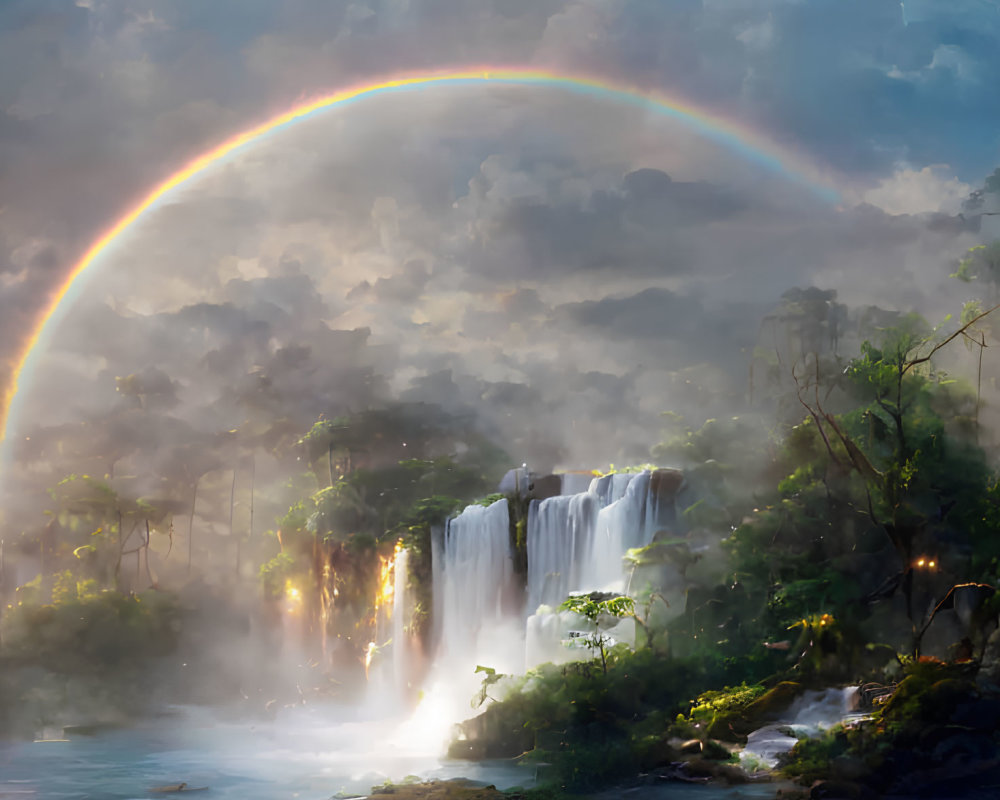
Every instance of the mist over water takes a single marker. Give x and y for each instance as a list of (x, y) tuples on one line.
[(245, 463), (310, 753)]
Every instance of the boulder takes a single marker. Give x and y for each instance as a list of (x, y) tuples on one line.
[(542, 487), (772, 703)]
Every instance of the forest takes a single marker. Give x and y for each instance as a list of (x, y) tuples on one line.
[(838, 527)]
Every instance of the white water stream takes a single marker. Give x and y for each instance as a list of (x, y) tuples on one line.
[(810, 714)]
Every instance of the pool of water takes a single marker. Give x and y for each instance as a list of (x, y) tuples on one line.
[(311, 754), (306, 754)]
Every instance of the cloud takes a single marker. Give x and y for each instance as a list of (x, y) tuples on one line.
[(911, 191), (403, 288), (524, 224), (561, 264)]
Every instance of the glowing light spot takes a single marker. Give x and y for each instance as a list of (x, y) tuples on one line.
[(293, 599), (369, 654)]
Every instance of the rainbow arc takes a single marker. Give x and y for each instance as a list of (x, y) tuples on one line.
[(731, 134)]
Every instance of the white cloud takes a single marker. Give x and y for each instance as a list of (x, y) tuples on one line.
[(911, 191)]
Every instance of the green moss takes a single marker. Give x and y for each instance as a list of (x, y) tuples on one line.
[(719, 713), (489, 500), (810, 759)]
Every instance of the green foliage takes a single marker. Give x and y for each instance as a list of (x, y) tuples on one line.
[(339, 511), (717, 704), (490, 499), (593, 727), (810, 759), (490, 678), (594, 609), (67, 588), (600, 612), (295, 519), (86, 631), (634, 469), (274, 574), (981, 262), (732, 441)]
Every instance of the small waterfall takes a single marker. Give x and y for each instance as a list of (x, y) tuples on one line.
[(401, 611), (810, 714), (437, 582), (477, 579)]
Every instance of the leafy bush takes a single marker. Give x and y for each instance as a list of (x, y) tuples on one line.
[(91, 632)]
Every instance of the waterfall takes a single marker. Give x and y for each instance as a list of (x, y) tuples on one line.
[(576, 543), (437, 584), (809, 715), (627, 521), (401, 610), (477, 583), (560, 536)]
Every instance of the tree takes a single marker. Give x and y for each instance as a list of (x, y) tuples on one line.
[(602, 612), (329, 436), (981, 263), (915, 468)]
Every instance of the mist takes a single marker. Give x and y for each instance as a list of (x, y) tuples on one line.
[(241, 469)]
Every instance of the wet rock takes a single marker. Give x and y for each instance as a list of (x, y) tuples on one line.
[(467, 750), (665, 483), (700, 768), (709, 748), (715, 751), (659, 753), (773, 702), (542, 487), (489, 735)]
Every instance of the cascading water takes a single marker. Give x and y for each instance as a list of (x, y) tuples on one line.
[(809, 715), (627, 521), (477, 584), (483, 615), (401, 610), (560, 535), (474, 594), (576, 543)]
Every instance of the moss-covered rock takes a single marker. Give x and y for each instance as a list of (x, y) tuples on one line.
[(937, 736)]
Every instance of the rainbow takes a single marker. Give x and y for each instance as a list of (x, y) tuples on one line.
[(729, 133)]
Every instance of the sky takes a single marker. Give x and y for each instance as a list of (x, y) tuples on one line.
[(564, 267)]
